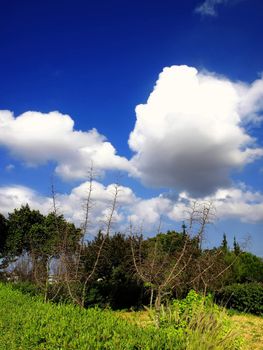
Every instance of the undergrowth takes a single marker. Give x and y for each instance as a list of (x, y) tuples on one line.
[(26, 323)]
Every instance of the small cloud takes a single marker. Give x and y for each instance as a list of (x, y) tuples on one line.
[(9, 167), (209, 7)]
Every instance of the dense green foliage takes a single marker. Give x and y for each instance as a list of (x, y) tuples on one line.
[(20, 225), (245, 268), (246, 297), (48, 255), (27, 323), (26, 287), (205, 324), (3, 233), (115, 283), (30, 231)]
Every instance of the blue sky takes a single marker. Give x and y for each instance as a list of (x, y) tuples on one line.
[(197, 136)]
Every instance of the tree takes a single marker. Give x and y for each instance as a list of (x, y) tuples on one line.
[(247, 267), (3, 234), (114, 282), (77, 275), (33, 241), (20, 223), (208, 270), (47, 243), (224, 245), (162, 262), (236, 246)]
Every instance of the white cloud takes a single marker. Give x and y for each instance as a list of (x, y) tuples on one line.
[(72, 205), (101, 201), (12, 197), (37, 138), (129, 209), (190, 134), (9, 167), (234, 202), (209, 7), (251, 105), (238, 203), (149, 211)]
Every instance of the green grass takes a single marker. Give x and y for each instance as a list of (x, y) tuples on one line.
[(26, 323)]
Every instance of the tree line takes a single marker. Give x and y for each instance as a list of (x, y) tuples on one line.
[(52, 256)]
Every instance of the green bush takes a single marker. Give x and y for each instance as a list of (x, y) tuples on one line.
[(26, 288), (199, 323), (246, 297)]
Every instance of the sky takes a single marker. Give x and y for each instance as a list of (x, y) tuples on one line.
[(163, 97)]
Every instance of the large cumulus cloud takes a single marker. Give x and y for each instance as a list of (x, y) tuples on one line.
[(190, 134)]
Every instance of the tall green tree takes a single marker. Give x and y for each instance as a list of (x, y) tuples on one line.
[(224, 244), (3, 233), (20, 223), (248, 268), (236, 246), (52, 239)]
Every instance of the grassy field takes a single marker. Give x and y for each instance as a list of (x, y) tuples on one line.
[(251, 328), (26, 323)]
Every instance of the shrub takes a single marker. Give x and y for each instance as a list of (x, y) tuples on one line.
[(26, 287), (199, 324), (247, 297)]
